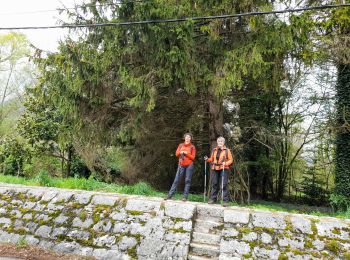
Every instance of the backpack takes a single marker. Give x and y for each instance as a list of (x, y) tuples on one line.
[(226, 152)]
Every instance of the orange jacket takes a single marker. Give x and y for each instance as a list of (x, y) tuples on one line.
[(187, 159), (217, 164)]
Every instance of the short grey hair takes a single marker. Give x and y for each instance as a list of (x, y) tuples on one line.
[(220, 139)]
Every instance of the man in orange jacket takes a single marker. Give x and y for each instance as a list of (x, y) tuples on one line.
[(220, 159), (186, 153)]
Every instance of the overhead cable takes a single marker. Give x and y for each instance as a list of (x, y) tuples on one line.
[(177, 20)]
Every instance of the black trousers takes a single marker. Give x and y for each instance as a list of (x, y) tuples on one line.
[(216, 182)]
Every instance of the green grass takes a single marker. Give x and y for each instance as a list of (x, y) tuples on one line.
[(42, 179), (144, 189)]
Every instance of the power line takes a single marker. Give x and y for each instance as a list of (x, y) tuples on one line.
[(200, 18)]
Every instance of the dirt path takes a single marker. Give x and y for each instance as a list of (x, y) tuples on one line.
[(35, 253)]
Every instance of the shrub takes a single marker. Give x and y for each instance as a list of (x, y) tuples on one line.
[(339, 202), (44, 179)]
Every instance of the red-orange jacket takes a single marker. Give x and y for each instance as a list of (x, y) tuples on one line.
[(185, 160), (217, 164)]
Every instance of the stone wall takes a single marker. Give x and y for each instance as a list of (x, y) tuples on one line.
[(114, 226)]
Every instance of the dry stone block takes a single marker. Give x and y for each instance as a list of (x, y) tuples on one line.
[(77, 222), (103, 200), (67, 247), (137, 228), (236, 216), (47, 244), (18, 223), (121, 228), (59, 232), (52, 207), (28, 216), (103, 225), (174, 251), (142, 205), (250, 237), (31, 240), (103, 254), (179, 210), (318, 244), (36, 193), (268, 220), (8, 237), (28, 205), (301, 224), (228, 257), (49, 195), (105, 241), (266, 238), (5, 221), (210, 211), (296, 242), (262, 253), (185, 225), (62, 197), (82, 198), (118, 216), (86, 251), (78, 234), (234, 247), (290, 255), (61, 219), (332, 228), (182, 238), (31, 226), (127, 242), (43, 231), (150, 247), (3, 190), (230, 232)]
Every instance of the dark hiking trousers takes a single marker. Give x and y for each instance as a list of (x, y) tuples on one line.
[(216, 177), (187, 173)]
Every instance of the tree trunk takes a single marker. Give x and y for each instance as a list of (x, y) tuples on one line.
[(342, 151), (69, 160), (216, 122), (4, 95)]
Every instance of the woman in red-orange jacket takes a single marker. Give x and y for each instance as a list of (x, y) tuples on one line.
[(220, 159), (186, 152)]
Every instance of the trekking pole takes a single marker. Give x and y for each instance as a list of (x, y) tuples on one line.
[(205, 180), (222, 184)]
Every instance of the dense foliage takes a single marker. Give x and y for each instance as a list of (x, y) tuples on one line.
[(114, 101)]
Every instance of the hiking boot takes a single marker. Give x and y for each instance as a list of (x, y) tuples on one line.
[(211, 201), (225, 204), (167, 198), (184, 199)]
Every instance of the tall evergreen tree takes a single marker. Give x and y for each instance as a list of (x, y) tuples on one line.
[(336, 31), (124, 83)]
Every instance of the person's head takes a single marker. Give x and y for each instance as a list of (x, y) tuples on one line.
[(220, 141), (187, 138)]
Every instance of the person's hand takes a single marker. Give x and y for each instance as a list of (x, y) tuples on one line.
[(183, 152), (223, 163), (205, 158)]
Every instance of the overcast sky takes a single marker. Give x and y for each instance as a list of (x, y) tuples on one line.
[(35, 13)]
